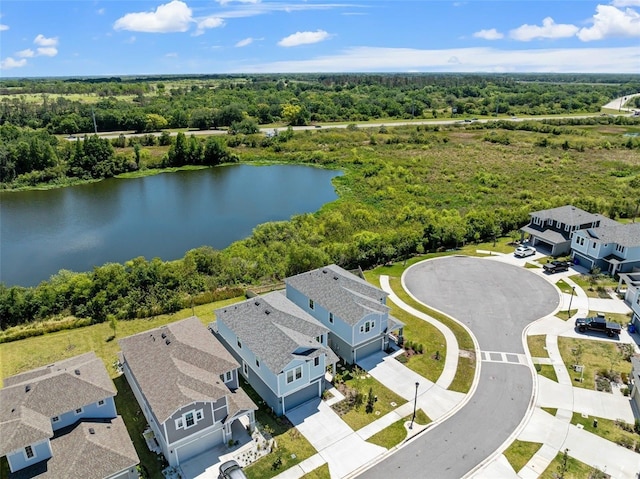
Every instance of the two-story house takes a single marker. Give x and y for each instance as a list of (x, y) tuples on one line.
[(61, 421), (553, 229), (354, 311), (613, 247), (283, 350), (186, 384)]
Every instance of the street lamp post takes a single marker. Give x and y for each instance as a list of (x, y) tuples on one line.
[(573, 289), (415, 403)]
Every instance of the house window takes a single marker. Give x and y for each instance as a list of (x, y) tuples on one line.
[(78, 411), (189, 419), (311, 305), (316, 361), (245, 368), (331, 318), (294, 374), (101, 402), (28, 452), (593, 245), (257, 361), (620, 248), (55, 419), (320, 338), (367, 326), (239, 343), (198, 415), (226, 377), (179, 423)]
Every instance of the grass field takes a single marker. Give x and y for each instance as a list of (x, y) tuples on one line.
[(574, 470), (610, 430), (519, 453), (321, 472), (537, 346), (394, 434)]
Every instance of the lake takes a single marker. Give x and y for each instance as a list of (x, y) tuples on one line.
[(165, 215)]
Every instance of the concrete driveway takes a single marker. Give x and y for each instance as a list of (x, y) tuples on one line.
[(496, 301)]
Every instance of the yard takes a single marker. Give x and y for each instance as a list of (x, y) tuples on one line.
[(394, 434), (520, 452), (573, 469), (621, 433), (596, 286)]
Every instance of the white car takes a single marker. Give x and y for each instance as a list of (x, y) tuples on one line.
[(524, 251)]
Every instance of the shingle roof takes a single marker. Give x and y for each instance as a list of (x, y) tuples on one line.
[(177, 364), (88, 449), (621, 234), (340, 292), (29, 400), (274, 329), (570, 215)]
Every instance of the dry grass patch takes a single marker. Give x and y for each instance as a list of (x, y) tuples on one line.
[(537, 346)]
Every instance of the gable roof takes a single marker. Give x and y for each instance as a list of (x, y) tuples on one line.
[(177, 364), (571, 215), (618, 233), (274, 329), (29, 400), (88, 449), (340, 292)]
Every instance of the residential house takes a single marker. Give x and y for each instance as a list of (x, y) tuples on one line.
[(283, 350), (613, 247), (631, 291), (553, 229), (635, 380), (61, 421), (186, 383), (354, 311)]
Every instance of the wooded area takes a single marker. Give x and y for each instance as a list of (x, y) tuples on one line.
[(406, 190)]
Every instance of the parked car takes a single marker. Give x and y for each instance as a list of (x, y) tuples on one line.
[(598, 323), (231, 470), (523, 251), (557, 266)]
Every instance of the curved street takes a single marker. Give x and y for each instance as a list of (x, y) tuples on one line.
[(497, 301)]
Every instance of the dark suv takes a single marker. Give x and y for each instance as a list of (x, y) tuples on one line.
[(231, 470)]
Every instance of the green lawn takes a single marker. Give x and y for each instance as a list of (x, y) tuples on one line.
[(394, 434), (595, 289), (550, 410), (537, 347), (620, 433), (357, 417), (520, 452), (321, 472), (575, 469), (547, 371), (29, 353), (596, 356)]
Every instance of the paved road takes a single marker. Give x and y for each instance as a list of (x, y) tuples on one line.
[(496, 301)]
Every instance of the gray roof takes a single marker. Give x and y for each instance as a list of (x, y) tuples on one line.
[(618, 233), (178, 364), (570, 215), (29, 400), (549, 235), (393, 324), (337, 290), (88, 449), (274, 329)]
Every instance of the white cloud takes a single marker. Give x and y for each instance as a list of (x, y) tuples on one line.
[(3, 27), (626, 3), (226, 2), (171, 55), (491, 34), (174, 16), (303, 38), (244, 42), (131, 39), (28, 53), (549, 29), (208, 22), (610, 21), (47, 51), (100, 11), (43, 41), (9, 63), (371, 59)]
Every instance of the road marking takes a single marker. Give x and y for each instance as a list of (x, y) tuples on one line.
[(500, 357)]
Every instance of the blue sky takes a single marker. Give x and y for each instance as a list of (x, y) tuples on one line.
[(114, 37)]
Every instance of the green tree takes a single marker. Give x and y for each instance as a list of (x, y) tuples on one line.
[(155, 122)]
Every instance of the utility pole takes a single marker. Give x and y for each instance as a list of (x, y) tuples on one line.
[(95, 127)]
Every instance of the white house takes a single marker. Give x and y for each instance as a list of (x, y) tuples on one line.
[(61, 421), (354, 311), (282, 349), (186, 383)]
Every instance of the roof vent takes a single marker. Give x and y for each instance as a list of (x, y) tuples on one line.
[(167, 342), (164, 336), (257, 303), (77, 371), (27, 388), (335, 277), (92, 430), (324, 271), (267, 311)]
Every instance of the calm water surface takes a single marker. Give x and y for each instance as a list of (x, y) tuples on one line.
[(164, 216)]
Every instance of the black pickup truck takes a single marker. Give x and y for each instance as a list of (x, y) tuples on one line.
[(556, 266), (598, 323)]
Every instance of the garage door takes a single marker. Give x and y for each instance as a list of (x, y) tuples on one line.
[(198, 446), (368, 349), (302, 396)]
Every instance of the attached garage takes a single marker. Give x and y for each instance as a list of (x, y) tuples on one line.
[(368, 349), (198, 445), (295, 399)]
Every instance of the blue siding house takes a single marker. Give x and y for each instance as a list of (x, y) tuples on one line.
[(613, 247), (354, 311), (282, 349), (52, 418), (186, 383)]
